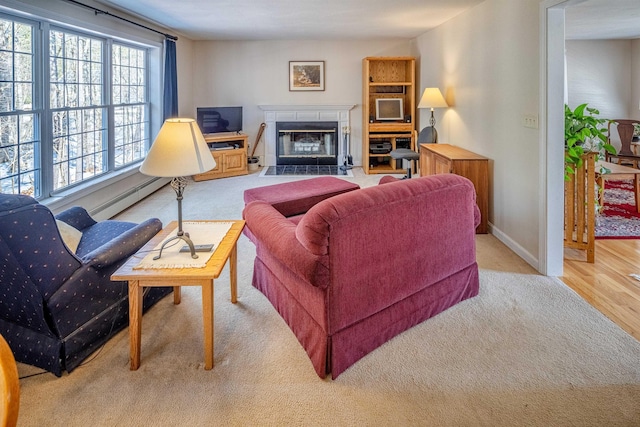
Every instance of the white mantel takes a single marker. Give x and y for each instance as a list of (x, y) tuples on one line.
[(303, 113)]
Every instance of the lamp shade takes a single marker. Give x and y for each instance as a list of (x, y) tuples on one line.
[(178, 150), (432, 98)]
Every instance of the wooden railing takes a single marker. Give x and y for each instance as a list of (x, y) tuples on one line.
[(580, 208)]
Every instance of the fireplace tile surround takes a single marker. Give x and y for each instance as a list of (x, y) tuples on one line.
[(302, 113)]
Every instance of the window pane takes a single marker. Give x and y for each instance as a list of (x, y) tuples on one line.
[(130, 120), (56, 70), (70, 71), (6, 66), (71, 46), (96, 50), (56, 43), (9, 130), (6, 97), (18, 144), (23, 38), (27, 128), (23, 96), (27, 157), (23, 67), (6, 34)]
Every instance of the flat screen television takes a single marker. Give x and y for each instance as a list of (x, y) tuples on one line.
[(219, 119), (389, 109)]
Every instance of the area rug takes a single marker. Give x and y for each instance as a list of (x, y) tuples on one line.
[(619, 218), (527, 351)]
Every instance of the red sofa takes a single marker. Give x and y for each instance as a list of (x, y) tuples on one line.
[(361, 267)]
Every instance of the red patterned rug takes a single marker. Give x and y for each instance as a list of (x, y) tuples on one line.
[(619, 218)]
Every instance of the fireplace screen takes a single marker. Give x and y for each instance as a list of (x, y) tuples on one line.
[(307, 143)]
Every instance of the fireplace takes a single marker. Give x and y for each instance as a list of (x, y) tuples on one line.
[(306, 143), (338, 115)]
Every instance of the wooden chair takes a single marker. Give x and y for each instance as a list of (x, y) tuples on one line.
[(9, 386), (626, 155)]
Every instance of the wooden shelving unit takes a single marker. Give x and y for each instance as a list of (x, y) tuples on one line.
[(387, 78), (229, 162)]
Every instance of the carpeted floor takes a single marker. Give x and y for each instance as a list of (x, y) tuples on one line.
[(619, 219), (526, 352)]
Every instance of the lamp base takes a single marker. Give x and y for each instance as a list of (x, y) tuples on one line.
[(183, 236)]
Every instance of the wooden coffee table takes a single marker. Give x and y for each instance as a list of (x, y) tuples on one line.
[(177, 277)]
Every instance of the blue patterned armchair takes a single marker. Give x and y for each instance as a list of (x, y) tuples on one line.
[(57, 306)]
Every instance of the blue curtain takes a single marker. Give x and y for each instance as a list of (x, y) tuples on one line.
[(170, 98)]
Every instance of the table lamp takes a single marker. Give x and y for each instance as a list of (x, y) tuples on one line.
[(431, 98), (178, 150)]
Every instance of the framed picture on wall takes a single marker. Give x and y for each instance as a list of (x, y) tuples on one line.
[(306, 75)]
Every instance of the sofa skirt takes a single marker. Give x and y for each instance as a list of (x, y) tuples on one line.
[(333, 353)]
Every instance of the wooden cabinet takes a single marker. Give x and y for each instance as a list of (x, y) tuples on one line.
[(445, 158), (230, 160), (387, 79)]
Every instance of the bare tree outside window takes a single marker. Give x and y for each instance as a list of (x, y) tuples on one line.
[(78, 115), (82, 141), (19, 168), (129, 99)]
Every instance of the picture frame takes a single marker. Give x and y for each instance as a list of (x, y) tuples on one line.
[(306, 75)]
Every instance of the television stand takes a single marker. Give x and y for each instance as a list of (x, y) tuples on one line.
[(230, 161)]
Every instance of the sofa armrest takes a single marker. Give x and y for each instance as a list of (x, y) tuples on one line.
[(387, 179), (123, 246), (76, 217), (276, 234)]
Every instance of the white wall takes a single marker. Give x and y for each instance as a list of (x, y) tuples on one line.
[(606, 75), (186, 88), (486, 61), (252, 73), (599, 73), (634, 107)]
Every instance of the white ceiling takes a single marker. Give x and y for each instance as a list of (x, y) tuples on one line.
[(296, 19), (354, 19), (603, 19)]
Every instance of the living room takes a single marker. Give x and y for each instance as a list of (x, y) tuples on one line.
[(487, 61)]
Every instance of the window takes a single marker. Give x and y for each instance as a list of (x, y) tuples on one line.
[(94, 98), (19, 146), (129, 99), (77, 111)]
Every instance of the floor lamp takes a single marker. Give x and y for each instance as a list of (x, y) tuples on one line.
[(431, 98), (179, 150)]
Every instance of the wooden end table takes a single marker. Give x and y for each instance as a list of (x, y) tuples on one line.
[(177, 277)]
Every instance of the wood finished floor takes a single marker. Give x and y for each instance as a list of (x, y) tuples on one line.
[(607, 284)]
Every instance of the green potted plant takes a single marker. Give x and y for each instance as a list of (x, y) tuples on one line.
[(584, 132)]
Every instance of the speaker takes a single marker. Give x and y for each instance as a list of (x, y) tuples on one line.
[(407, 118), (370, 119)]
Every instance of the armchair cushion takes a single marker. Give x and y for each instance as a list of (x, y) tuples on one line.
[(70, 235)]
